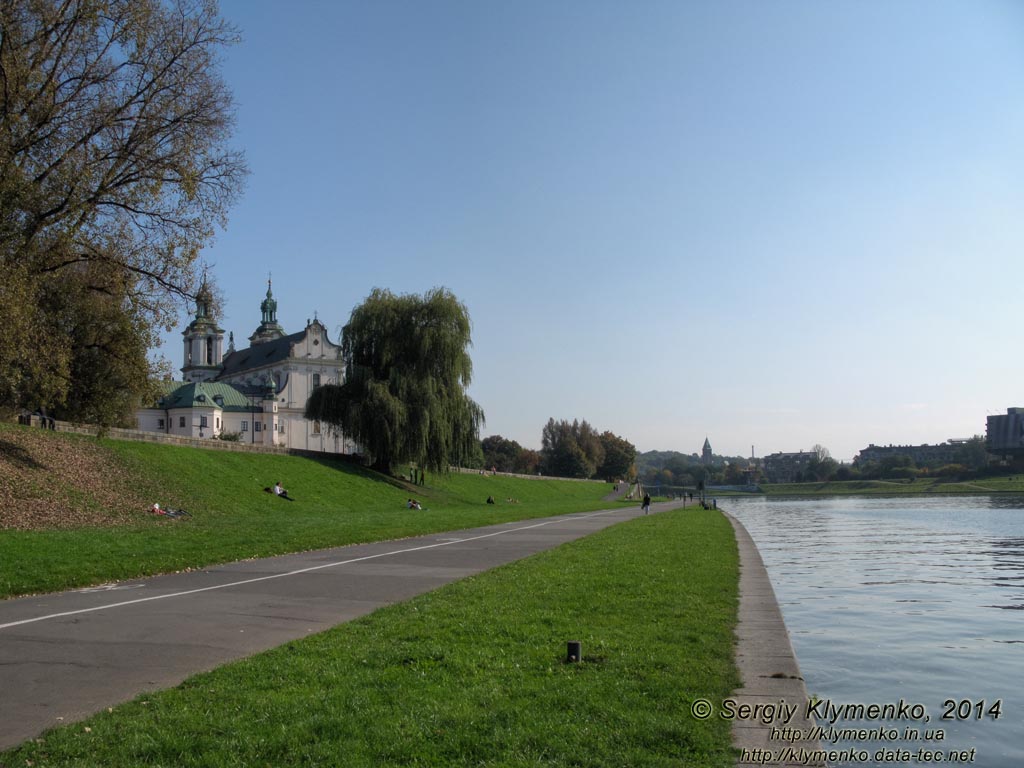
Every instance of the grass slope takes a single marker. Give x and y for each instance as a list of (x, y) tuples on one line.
[(233, 519), (472, 674), (65, 481)]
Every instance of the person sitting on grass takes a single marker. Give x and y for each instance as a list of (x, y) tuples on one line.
[(281, 492), (413, 504), (490, 499)]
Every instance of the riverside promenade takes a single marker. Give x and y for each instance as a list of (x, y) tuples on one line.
[(769, 672), (65, 656)]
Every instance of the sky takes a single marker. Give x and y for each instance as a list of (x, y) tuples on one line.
[(771, 224)]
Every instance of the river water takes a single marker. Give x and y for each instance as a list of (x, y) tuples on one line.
[(905, 600)]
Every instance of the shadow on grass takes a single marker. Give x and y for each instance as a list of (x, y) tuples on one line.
[(352, 466), (18, 456)]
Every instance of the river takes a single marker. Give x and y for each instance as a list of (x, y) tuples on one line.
[(914, 601)]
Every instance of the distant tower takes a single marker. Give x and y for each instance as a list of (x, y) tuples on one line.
[(203, 341), (269, 328), (705, 454)]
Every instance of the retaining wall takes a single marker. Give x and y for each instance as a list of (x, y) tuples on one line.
[(138, 435)]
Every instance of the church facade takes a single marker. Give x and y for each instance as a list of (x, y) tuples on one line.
[(258, 393)]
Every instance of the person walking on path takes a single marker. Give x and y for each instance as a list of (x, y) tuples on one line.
[(647, 503)]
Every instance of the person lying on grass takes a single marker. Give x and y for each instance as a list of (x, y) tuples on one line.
[(157, 510)]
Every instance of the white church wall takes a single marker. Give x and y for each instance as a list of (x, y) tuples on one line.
[(312, 361)]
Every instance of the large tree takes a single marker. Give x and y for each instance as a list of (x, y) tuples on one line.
[(500, 453), (407, 367), (619, 457), (114, 171), (973, 453), (509, 456), (571, 450)]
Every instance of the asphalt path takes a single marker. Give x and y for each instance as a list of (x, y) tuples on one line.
[(67, 655)]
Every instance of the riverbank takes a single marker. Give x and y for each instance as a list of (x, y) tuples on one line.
[(474, 673), (936, 486), (769, 672), (75, 511), (912, 599)]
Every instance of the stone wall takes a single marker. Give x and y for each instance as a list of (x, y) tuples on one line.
[(241, 447), (116, 433), (465, 471)]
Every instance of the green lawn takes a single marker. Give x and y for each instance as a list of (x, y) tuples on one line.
[(472, 674), (233, 519)]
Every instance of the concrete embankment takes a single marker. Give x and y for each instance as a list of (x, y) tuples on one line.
[(771, 723)]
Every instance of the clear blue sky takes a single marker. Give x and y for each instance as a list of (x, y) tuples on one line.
[(769, 223)]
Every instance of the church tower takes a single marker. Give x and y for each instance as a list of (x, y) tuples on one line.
[(204, 341), (269, 329), (705, 454)]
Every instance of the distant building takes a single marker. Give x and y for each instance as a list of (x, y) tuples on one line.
[(705, 454), (922, 455), (786, 467), (259, 392), (1004, 435)]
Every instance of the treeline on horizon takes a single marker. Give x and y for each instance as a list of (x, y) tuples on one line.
[(674, 469), (568, 449)]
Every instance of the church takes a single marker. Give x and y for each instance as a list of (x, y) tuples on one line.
[(256, 395)]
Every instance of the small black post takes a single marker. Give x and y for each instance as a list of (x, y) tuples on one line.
[(574, 652)]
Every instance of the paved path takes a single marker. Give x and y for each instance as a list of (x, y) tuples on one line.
[(66, 656)]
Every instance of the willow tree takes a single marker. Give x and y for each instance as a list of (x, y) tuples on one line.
[(114, 172), (407, 367)]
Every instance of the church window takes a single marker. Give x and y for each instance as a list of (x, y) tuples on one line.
[(316, 427), (159, 423), (181, 421), (316, 380), (209, 350), (203, 421), (256, 426), (281, 427), (218, 422), (245, 426)]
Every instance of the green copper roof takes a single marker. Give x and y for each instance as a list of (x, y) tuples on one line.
[(202, 394)]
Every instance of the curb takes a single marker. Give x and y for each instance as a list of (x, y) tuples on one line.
[(769, 673)]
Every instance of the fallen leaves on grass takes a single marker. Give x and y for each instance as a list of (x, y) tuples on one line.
[(49, 480)]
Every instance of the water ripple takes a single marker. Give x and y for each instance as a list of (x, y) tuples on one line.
[(911, 599)]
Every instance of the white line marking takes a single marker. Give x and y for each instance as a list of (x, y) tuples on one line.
[(107, 588), (297, 572)]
